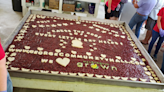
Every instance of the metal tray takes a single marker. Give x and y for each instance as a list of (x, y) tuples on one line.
[(58, 77)]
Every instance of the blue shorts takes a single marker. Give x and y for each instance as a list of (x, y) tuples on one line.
[(9, 83)]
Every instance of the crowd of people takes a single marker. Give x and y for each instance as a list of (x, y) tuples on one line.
[(151, 11)]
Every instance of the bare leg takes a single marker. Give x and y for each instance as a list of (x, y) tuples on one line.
[(162, 47), (113, 18), (143, 25), (116, 18), (147, 38)]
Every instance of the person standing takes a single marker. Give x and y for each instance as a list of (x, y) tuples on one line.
[(110, 7), (117, 12), (162, 68), (151, 21), (5, 81), (158, 32), (144, 7)]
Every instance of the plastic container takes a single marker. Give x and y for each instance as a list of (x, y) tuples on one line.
[(17, 5), (78, 5), (42, 3), (91, 7)]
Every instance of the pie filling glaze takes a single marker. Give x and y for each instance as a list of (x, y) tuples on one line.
[(81, 48)]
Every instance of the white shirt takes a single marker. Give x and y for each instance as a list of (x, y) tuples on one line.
[(154, 12)]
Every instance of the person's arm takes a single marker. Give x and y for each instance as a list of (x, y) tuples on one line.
[(161, 31), (159, 22), (135, 4), (3, 75), (109, 6), (3, 70)]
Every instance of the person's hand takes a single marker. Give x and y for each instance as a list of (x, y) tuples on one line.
[(161, 32), (109, 10), (133, 1), (119, 6)]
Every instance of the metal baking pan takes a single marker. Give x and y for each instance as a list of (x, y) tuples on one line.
[(58, 77)]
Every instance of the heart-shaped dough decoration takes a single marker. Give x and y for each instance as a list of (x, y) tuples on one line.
[(107, 77), (27, 47), (116, 78), (133, 79), (63, 62), (36, 33), (14, 68), (24, 69), (57, 50), (81, 74), (148, 73), (54, 72), (12, 46), (124, 78), (143, 80), (11, 58), (73, 74), (34, 26), (98, 76), (77, 43), (13, 54), (89, 75), (103, 55), (88, 53)]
